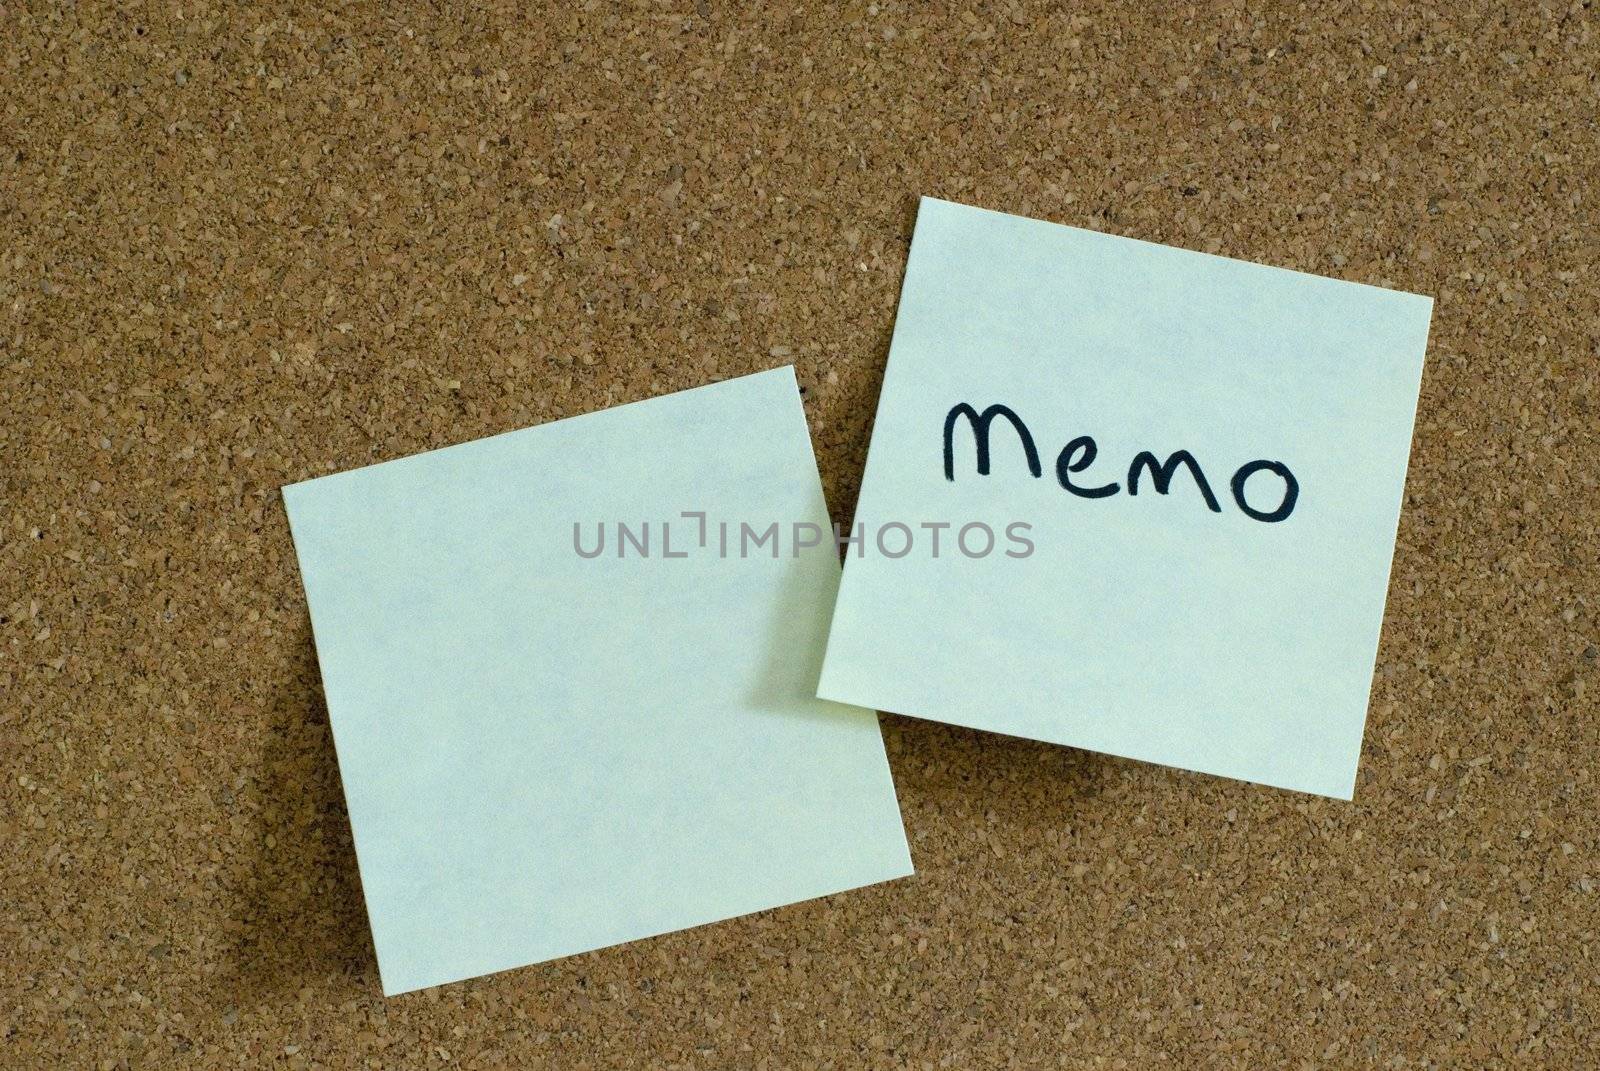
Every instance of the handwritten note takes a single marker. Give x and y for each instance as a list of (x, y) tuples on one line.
[(546, 751), (1167, 486)]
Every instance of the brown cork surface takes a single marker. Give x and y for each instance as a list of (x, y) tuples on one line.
[(243, 245)]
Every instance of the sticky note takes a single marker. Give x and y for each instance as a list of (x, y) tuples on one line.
[(1130, 498), (565, 715)]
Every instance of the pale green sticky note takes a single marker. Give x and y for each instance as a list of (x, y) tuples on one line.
[(1236, 640), (545, 753)]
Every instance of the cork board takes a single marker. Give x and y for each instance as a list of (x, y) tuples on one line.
[(245, 246)]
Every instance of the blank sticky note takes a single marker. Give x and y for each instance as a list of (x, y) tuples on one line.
[(551, 743), (1190, 469)]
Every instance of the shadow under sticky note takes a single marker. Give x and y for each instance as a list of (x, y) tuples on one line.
[(545, 753), (1206, 458)]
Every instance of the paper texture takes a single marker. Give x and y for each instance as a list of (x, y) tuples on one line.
[(1183, 628), (545, 753)]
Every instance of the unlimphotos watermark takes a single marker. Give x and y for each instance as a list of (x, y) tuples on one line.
[(694, 532)]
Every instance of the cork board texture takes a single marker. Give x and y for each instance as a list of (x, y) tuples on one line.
[(245, 245)]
